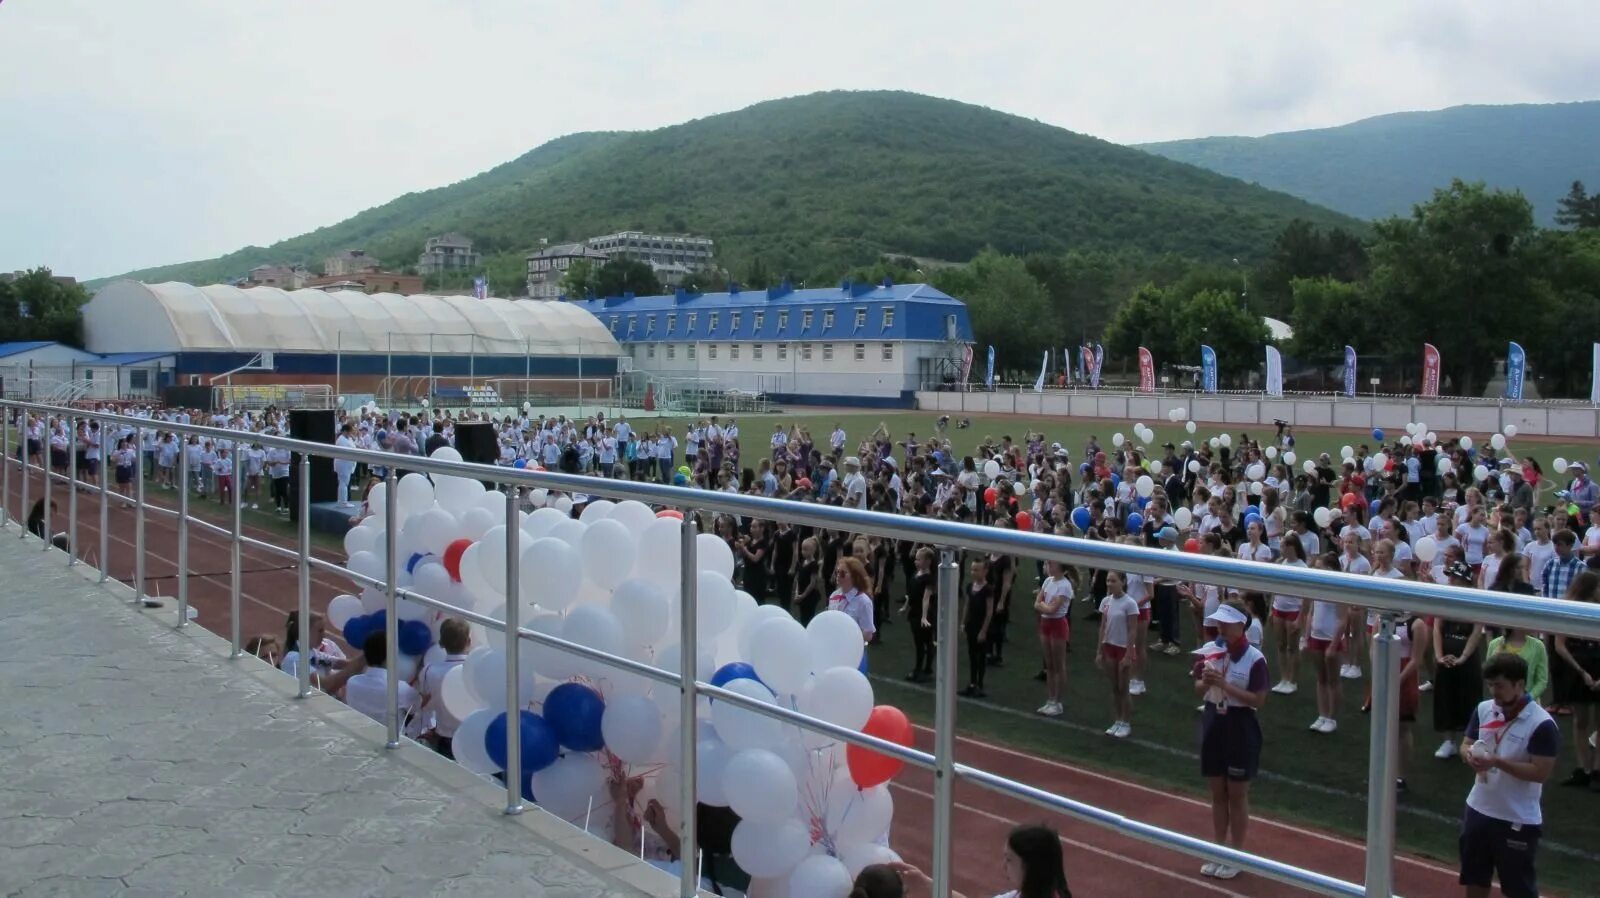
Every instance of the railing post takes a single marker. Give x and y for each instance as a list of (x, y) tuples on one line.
[(72, 500), (944, 721), (49, 488), (1383, 758), (235, 571), (105, 511), (138, 518), (22, 512), (513, 655), (391, 603), (183, 540), (303, 544), (688, 797), (5, 461)]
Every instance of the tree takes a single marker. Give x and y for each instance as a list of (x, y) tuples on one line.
[(1568, 304), (1578, 210), (1328, 315), (1008, 308), (756, 276), (620, 276), (1302, 250), (38, 306), (1217, 319), (579, 280), (1147, 319)]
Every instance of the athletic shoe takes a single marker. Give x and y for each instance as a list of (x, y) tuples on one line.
[(1209, 870), (1136, 687), (1201, 708), (1224, 871), (1329, 725), (1281, 687), (1112, 730), (1350, 672), (1425, 686), (1591, 740), (1290, 687), (1123, 730), (1171, 649), (1316, 725), (1400, 786), (1447, 749), (1051, 709)]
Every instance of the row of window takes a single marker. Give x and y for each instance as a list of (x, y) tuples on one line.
[(758, 351), (736, 318)]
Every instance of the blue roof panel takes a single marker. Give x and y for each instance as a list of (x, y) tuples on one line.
[(7, 349)]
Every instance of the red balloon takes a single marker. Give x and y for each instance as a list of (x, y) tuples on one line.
[(989, 496), (869, 768), (1191, 545), (1348, 500), (452, 557), (1024, 522), (670, 513)]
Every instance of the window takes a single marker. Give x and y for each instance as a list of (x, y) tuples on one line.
[(690, 321), (760, 319), (138, 379), (733, 352), (631, 322), (861, 316), (805, 352), (711, 323), (650, 350), (805, 320), (827, 352), (691, 348), (672, 351), (827, 318), (650, 326), (783, 320), (888, 352), (783, 352), (888, 317), (615, 320), (711, 351), (672, 322), (861, 352), (755, 351), (733, 321)]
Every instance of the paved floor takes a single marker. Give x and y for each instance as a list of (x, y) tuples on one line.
[(138, 760)]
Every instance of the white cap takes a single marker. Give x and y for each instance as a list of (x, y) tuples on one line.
[(1225, 614)]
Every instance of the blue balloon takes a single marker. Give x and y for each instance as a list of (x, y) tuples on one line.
[(1081, 518), (1251, 519), (520, 463), (679, 480), (1083, 468), (356, 630), (1116, 479), (863, 665), (527, 786), (1135, 521), (735, 670), (1252, 510), (1377, 434), (415, 637), (414, 560), (1142, 501), (1376, 504), (539, 748), (573, 711)]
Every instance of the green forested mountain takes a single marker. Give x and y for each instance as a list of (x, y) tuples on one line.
[(1382, 166), (816, 184)]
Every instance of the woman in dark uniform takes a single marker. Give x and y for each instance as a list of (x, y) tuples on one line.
[(808, 580), (1458, 670), (1002, 572), (1576, 677), (755, 550), (785, 546), (1234, 683), (922, 607)]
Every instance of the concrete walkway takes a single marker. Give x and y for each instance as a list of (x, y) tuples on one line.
[(138, 760)]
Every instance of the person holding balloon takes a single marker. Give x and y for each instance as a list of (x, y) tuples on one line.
[(1033, 864)]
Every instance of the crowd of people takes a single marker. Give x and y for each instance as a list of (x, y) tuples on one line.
[(1416, 508)]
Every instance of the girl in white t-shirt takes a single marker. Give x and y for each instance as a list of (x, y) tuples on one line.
[(1052, 602), (1325, 641), (1286, 622), (1351, 561), (1119, 616)]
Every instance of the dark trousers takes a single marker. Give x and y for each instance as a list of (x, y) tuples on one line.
[(977, 657), (445, 745), (922, 638), (1164, 608), (997, 632), (280, 491)]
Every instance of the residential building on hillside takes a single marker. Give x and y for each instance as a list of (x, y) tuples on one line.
[(856, 344), (658, 249), (549, 265), (287, 277), (351, 261), (373, 281), (446, 252)]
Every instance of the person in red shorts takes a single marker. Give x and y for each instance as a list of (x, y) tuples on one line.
[(1052, 603), (1119, 617), (1286, 622)]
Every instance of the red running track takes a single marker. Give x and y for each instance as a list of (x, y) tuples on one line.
[(1099, 862)]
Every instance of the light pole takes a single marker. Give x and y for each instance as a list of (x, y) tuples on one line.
[(1244, 279)]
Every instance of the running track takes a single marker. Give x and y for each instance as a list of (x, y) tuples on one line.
[(1098, 862)]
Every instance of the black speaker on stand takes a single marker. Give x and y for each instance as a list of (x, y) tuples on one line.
[(477, 444), (313, 426)]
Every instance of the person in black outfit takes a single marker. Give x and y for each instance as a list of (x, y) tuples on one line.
[(755, 551), (921, 608), (785, 544), (38, 525), (976, 621), (1002, 572), (808, 580)]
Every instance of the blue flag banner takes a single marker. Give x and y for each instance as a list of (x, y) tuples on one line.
[(1083, 353), (1208, 369), (1516, 367), (988, 377), (1349, 371)]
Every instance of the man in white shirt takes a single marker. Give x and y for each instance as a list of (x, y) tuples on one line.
[(836, 441), (368, 691), (855, 485), (456, 640)]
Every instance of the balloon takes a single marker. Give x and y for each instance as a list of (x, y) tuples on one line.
[(714, 604), (416, 494), (1560, 464), (1255, 488), (456, 494), (742, 729), (414, 637), (357, 629), (840, 696), (1251, 519), (634, 515), (549, 573), (609, 553), (869, 768), (1377, 434), (1346, 451), (1191, 545), (631, 728), (712, 554), (1510, 431), (596, 510), (760, 786), (469, 747), (711, 759), (1497, 442), (359, 539), (769, 850), (1308, 466), (542, 521), (835, 641), (660, 554), (1431, 437), (569, 531), (595, 627), (820, 876), (574, 712), (562, 504), (1135, 521), (538, 741), (990, 495), (1189, 426), (737, 670), (858, 856), (991, 469), (1289, 457), (1225, 440), (451, 556), (781, 654), (1081, 518), (1426, 549), (456, 695), (857, 815), (1144, 486), (1272, 452), (1446, 466), (1183, 517), (341, 609), (1256, 471), (1465, 443), (1480, 473), (1349, 500), (1117, 441), (642, 608), (492, 555), (378, 500), (1380, 462), (1018, 488), (367, 564), (1024, 521), (1214, 443), (754, 620), (1322, 516), (571, 788)]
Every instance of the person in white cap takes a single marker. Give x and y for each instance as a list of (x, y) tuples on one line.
[(855, 484), (1232, 677)]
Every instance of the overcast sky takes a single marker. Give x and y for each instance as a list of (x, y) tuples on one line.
[(142, 133)]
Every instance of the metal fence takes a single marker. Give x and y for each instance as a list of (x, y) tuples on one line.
[(1387, 597)]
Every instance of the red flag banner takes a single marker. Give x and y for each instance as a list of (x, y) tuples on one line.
[(1430, 370), (1147, 371)]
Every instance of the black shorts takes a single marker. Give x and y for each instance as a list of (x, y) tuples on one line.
[(1491, 846), (1230, 744)]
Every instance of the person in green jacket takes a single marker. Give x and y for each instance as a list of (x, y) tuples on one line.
[(1532, 651)]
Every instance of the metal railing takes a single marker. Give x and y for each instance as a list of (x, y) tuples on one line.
[(1387, 597)]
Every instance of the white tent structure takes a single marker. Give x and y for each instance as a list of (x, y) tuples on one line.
[(129, 316)]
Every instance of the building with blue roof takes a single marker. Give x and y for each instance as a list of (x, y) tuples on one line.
[(860, 344)]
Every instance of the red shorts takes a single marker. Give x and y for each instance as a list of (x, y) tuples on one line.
[(1113, 653), (1314, 644), (1054, 628), (1290, 616), (1144, 615)]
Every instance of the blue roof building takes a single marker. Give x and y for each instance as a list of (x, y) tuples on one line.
[(855, 344)]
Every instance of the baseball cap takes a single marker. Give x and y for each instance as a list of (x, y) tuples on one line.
[(1459, 569), (1225, 614)]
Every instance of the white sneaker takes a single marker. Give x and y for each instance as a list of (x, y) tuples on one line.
[(1224, 871), (1047, 708), (1290, 687), (1426, 686), (1329, 725), (1591, 740), (1123, 729), (1112, 730), (1056, 710), (1209, 870), (1201, 708), (1447, 749), (1136, 687), (1281, 687), (1316, 725), (1351, 672)]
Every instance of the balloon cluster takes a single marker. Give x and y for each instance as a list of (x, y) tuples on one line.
[(812, 810)]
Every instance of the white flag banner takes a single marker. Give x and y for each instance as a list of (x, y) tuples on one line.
[(1038, 385), (1594, 388), (1274, 371)]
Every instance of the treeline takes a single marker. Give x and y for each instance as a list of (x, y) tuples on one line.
[(39, 306)]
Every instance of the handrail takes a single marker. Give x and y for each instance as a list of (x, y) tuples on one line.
[(1384, 596)]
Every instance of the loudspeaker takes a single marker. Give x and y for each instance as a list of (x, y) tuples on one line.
[(476, 443), (188, 397), (315, 426)]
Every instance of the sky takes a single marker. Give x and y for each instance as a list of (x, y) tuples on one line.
[(144, 133)]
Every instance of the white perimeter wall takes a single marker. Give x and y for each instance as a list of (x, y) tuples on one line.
[(1352, 414)]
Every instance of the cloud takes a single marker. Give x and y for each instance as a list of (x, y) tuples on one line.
[(145, 133)]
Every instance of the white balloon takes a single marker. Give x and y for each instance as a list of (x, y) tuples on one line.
[(571, 788), (1190, 427), (634, 515), (1560, 464), (1465, 442), (1156, 467), (416, 494), (456, 494), (596, 510), (468, 745), (548, 661), (1431, 437), (436, 529), (1510, 431), (1426, 549), (474, 523), (373, 600), (770, 850), (858, 815), (743, 729), (494, 502), (609, 553), (1144, 486), (632, 728), (660, 554), (781, 654), (857, 856), (841, 696), (456, 695), (642, 608), (378, 500), (1272, 452), (713, 554), (1380, 461), (820, 876), (341, 609), (1019, 488), (446, 453), (492, 555), (1117, 440), (550, 573), (367, 564), (1289, 457), (991, 469), (487, 677), (1214, 443), (539, 496), (359, 539), (562, 504), (1183, 517), (569, 531), (1322, 516), (597, 628), (714, 604), (835, 640), (1255, 488), (1446, 466), (1194, 466), (760, 786), (1480, 473), (761, 615), (541, 522), (433, 581), (1227, 441), (1173, 416), (711, 759), (1497, 442), (1256, 471), (1347, 452), (1308, 466)]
